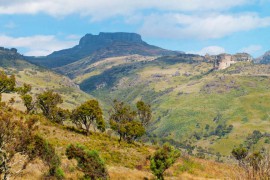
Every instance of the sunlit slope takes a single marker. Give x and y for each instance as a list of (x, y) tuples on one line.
[(41, 79), (192, 104)]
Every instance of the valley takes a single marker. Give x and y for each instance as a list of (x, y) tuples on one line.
[(204, 106)]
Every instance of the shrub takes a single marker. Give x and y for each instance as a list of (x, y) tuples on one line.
[(89, 162), (163, 159)]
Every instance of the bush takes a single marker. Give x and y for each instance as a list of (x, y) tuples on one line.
[(59, 173), (89, 162), (162, 160)]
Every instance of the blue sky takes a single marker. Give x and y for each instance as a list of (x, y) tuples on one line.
[(39, 27)]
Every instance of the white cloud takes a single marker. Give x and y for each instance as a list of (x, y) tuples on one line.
[(204, 26), (73, 37), (252, 49), (107, 8), (196, 19), (211, 50), (38, 45), (10, 25)]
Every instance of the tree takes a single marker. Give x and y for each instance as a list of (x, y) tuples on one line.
[(240, 154), (48, 101), (124, 121), (28, 102), (144, 112), (59, 115), (89, 162), (25, 89), (87, 114), (7, 84), (163, 159), (26, 98)]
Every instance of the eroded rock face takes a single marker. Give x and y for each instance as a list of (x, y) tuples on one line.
[(104, 38), (9, 54), (223, 61)]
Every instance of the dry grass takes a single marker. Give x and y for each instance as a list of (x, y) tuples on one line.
[(124, 161)]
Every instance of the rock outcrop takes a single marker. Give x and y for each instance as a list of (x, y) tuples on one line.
[(223, 61), (9, 54)]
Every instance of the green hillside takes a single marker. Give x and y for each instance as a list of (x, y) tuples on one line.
[(213, 111), (203, 112), (40, 78)]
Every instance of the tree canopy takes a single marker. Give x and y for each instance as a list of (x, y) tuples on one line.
[(124, 121), (48, 101), (87, 114), (7, 83)]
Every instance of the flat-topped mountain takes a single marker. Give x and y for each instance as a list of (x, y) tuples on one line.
[(100, 46)]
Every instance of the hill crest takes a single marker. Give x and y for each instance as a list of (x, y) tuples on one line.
[(100, 46)]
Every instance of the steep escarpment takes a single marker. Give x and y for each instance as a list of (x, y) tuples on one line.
[(100, 46)]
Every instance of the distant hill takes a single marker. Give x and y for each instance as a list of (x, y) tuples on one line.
[(40, 78), (264, 59), (101, 46)]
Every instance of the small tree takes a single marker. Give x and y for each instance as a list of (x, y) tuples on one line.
[(89, 162), (87, 114), (240, 154), (163, 159), (7, 84), (26, 98), (144, 112), (48, 101), (59, 115), (124, 121), (28, 103), (26, 88)]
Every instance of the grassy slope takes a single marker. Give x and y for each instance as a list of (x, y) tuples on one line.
[(124, 161), (42, 79), (187, 96), (83, 69)]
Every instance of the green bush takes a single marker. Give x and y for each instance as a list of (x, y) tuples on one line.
[(163, 159), (59, 173), (89, 162)]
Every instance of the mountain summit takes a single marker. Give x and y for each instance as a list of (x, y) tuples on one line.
[(101, 46), (264, 59), (102, 38)]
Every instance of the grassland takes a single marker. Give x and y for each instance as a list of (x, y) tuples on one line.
[(186, 96), (124, 161), (42, 79)]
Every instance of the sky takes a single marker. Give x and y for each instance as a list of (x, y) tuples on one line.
[(39, 27)]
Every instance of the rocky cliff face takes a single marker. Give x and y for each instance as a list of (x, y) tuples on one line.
[(101, 46), (265, 59), (106, 38), (223, 61), (9, 54)]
